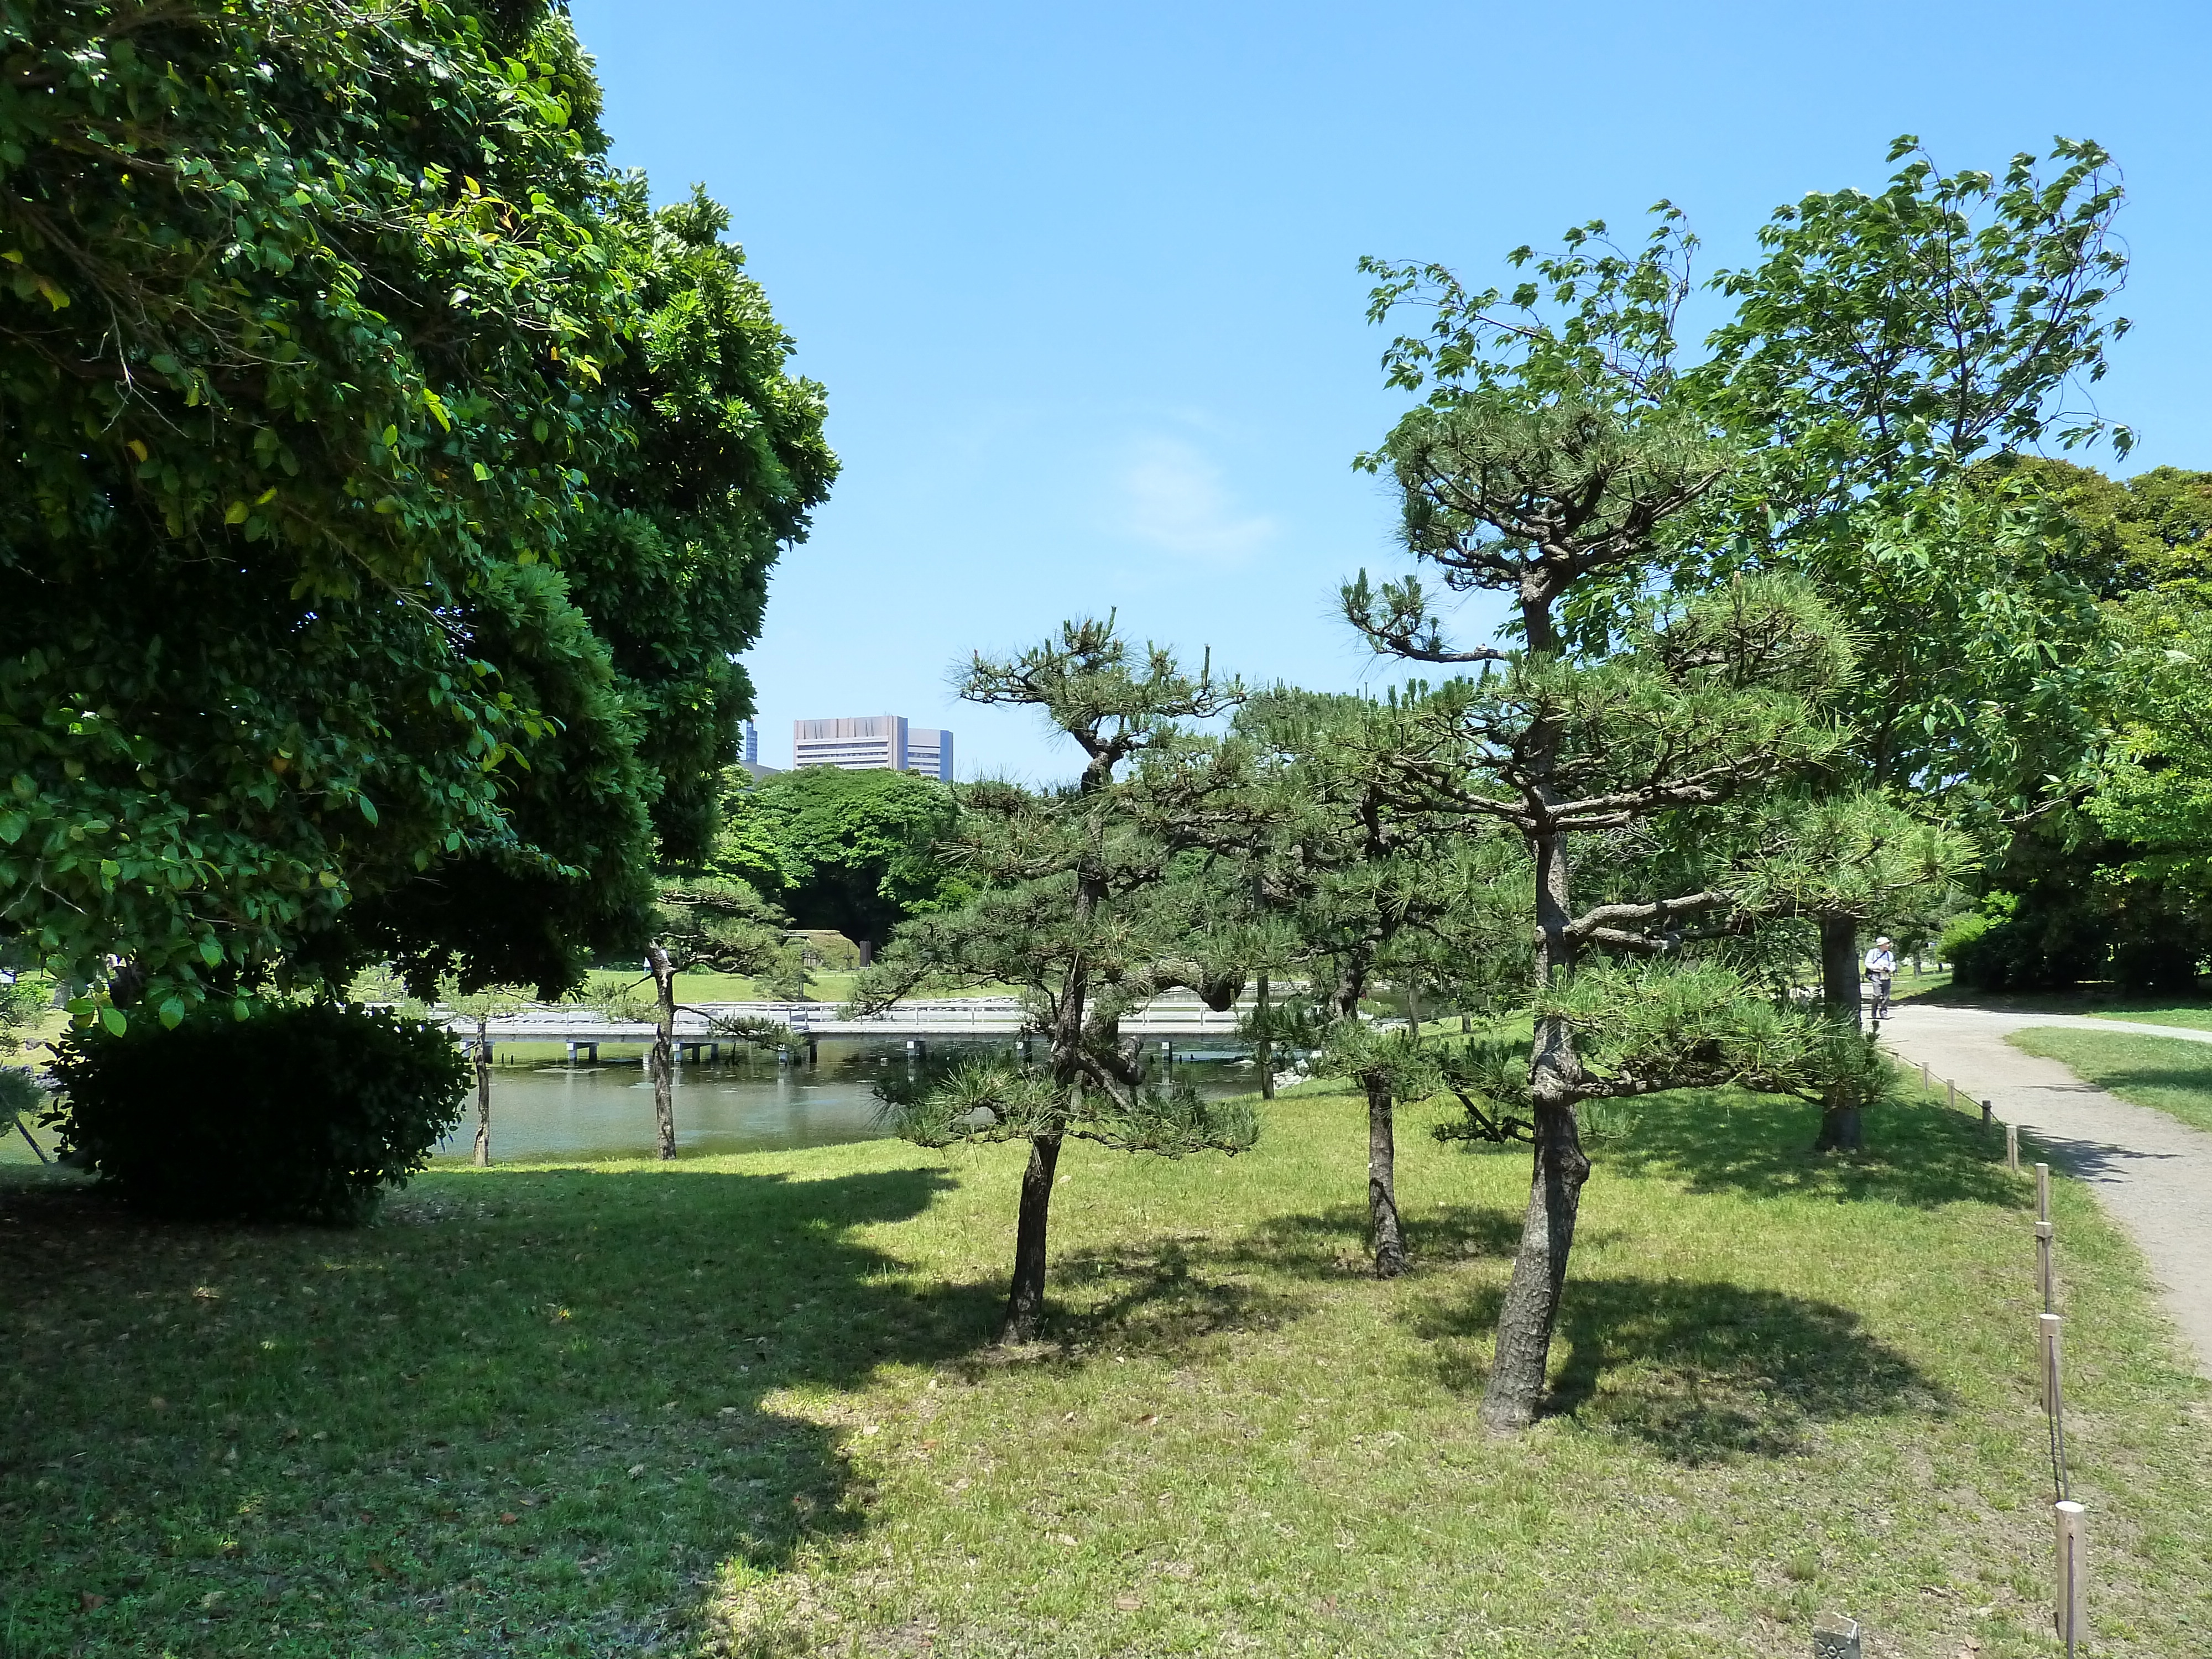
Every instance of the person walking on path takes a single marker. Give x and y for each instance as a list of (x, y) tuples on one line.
[(2152, 1173), (1880, 971)]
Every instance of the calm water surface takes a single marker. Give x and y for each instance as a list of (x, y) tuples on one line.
[(749, 1105)]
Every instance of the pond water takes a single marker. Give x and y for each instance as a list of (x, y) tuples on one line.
[(749, 1105)]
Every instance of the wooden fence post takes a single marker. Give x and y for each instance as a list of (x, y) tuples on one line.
[(2042, 1192), (2044, 1280), (1951, 1094), (2073, 1601), (1924, 1077), (2047, 1362), (2012, 1147)]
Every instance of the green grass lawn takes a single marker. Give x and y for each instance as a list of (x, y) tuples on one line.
[(2100, 1001), (743, 1406), (2196, 1016), (2167, 1074)]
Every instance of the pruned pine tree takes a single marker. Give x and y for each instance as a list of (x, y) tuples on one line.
[(703, 922), (482, 1005), (1372, 882), (1094, 898), (1553, 470)]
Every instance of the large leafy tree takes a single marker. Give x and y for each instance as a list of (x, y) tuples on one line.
[(855, 851), (725, 459), (1093, 898), (1884, 343), (323, 335)]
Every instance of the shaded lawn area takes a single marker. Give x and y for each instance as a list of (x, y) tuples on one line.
[(2167, 1074), (742, 1406)]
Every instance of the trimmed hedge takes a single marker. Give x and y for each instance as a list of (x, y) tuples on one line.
[(304, 1113)]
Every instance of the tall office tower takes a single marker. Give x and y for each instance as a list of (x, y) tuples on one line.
[(753, 743), (929, 751), (873, 743), (866, 743)]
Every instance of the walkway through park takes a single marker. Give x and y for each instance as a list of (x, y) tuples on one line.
[(2152, 1173)]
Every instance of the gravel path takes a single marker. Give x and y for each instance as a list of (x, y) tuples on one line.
[(2153, 1174)]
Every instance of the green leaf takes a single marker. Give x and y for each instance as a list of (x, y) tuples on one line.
[(367, 807), (114, 1019), (211, 952), (484, 473)]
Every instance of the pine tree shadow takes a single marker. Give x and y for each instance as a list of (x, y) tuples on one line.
[(529, 1401), (1330, 1243), (1698, 1371), (1161, 1295), (1917, 1153)]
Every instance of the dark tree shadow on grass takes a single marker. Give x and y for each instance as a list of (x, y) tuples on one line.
[(524, 1413), (1917, 1153), (1331, 1242), (1165, 1293), (1698, 1371)]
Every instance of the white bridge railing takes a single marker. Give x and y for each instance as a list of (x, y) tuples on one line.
[(948, 1017)]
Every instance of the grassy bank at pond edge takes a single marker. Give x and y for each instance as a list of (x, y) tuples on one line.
[(2172, 1075), (744, 1404)]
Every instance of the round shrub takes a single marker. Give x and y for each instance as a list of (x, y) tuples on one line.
[(304, 1113)]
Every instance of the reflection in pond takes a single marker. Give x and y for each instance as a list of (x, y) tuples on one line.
[(751, 1104)]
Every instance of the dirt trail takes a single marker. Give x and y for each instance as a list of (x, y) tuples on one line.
[(2153, 1174)]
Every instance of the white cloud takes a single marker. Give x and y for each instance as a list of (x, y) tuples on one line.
[(1174, 498)]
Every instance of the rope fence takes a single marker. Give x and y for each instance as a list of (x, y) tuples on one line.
[(2070, 1519)]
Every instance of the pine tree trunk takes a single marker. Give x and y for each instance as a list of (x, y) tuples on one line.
[(1515, 1394), (1025, 1300), (1264, 1049), (1841, 1129), (664, 1049), (1525, 1323), (484, 1098), (1383, 1182)]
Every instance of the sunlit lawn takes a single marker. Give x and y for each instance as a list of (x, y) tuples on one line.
[(2167, 1074), (744, 1404)]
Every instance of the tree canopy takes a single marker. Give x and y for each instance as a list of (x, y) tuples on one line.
[(857, 852), (351, 401)]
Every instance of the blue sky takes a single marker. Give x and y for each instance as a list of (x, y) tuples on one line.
[(1080, 281)]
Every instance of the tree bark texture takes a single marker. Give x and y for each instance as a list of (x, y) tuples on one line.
[(484, 1098), (664, 1048), (1841, 1128), (1264, 1049), (1383, 1182), (1515, 1394), (1525, 1323), (1025, 1300)]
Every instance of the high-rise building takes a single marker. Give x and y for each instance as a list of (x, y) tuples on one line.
[(929, 752), (873, 743)]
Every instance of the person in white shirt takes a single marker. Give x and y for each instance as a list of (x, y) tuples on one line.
[(1880, 969)]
